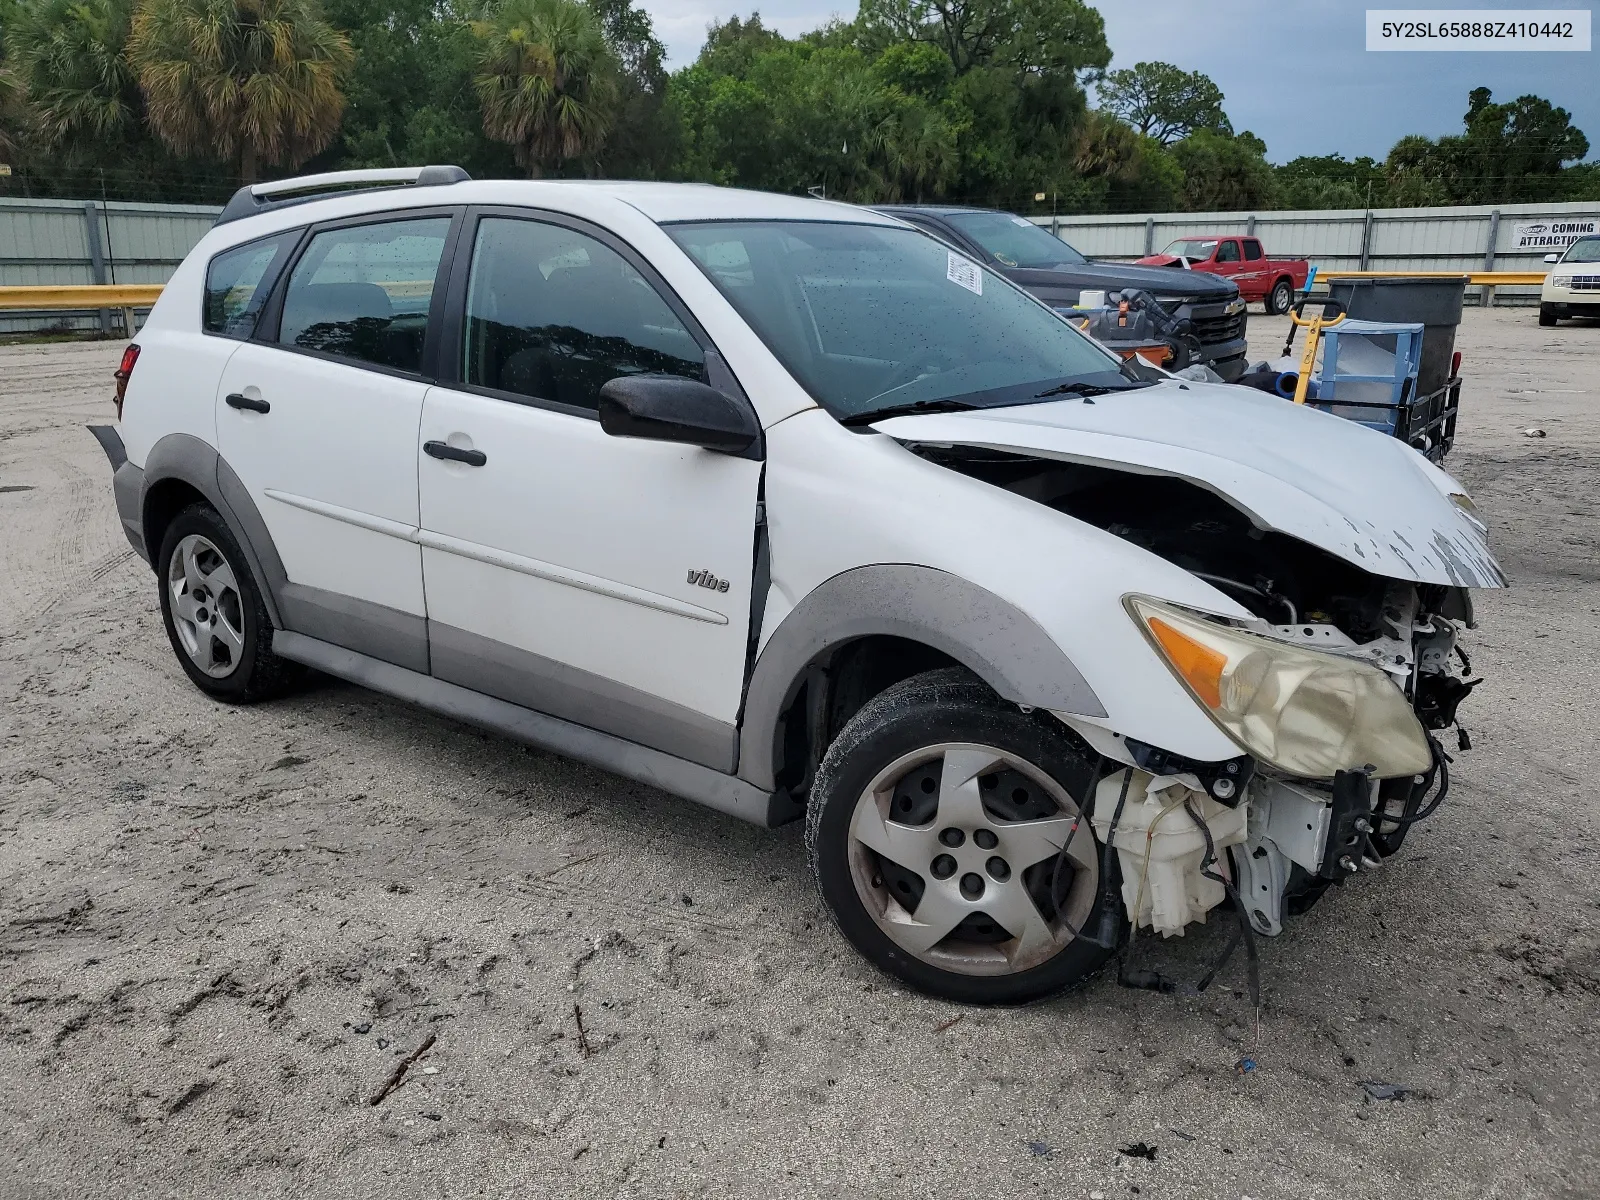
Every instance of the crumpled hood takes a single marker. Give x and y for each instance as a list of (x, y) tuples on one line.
[(1369, 499)]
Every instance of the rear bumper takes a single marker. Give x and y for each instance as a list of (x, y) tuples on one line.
[(127, 486)]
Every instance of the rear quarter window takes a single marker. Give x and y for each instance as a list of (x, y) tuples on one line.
[(238, 282)]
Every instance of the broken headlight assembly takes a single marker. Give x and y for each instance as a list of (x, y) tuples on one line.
[(1302, 711)]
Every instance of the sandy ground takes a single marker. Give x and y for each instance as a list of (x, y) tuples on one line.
[(221, 929)]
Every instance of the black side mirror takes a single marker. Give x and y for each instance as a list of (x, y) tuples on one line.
[(666, 408)]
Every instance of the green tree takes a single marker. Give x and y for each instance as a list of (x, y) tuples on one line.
[(69, 59), (1165, 103), (1330, 181), (251, 82), (645, 133), (1033, 36), (547, 81), (1224, 174)]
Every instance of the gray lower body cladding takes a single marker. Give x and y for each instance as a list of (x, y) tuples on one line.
[(725, 793)]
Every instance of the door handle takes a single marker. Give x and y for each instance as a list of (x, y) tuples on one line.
[(240, 400), (473, 458)]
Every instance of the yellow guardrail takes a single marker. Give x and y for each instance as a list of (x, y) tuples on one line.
[(1489, 278), (65, 296)]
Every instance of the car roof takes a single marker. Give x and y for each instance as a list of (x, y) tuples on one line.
[(662, 203)]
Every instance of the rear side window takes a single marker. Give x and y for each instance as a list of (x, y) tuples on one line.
[(554, 314), (1252, 249), (363, 292), (238, 282)]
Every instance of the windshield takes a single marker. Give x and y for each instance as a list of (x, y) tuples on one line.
[(1195, 248), (1015, 241), (870, 318), (1585, 251)]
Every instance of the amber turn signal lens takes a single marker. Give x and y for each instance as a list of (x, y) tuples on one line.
[(1200, 666)]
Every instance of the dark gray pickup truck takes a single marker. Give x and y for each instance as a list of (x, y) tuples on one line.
[(1053, 271)]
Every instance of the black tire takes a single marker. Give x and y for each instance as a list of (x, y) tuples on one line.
[(1281, 298), (946, 706), (1547, 314), (254, 672)]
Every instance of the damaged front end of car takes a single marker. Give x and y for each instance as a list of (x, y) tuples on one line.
[(1335, 688)]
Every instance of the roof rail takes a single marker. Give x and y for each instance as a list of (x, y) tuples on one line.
[(262, 197)]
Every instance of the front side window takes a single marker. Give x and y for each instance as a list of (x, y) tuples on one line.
[(869, 317), (1228, 252), (237, 283), (1015, 241), (363, 292), (554, 314)]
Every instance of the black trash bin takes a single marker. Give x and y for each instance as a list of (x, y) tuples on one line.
[(1435, 302)]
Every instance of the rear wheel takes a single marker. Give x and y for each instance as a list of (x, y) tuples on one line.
[(1280, 298), (214, 614), (1547, 314), (947, 842)]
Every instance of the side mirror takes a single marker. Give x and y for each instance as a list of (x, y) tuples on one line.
[(665, 408), (1552, 258)]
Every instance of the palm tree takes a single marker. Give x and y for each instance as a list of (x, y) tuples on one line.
[(68, 58), (253, 82), (547, 80)]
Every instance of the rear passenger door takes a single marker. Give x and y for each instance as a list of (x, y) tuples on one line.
[(318, 416), (1252, 279), (603, 580)]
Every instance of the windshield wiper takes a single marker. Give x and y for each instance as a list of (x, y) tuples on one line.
[(902, 410), (1086, 389)]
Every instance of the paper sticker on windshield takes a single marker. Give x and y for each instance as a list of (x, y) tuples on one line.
[(964, 272), (1023, 221)]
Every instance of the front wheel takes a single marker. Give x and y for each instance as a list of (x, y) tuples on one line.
[(1547, 314), (1280, 298), (947, 842)]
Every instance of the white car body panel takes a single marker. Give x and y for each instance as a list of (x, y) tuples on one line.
[(602, 534), (1369, 499), (332, 469), (838, 499)]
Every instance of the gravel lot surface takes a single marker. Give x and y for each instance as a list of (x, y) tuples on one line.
[(222, 929)]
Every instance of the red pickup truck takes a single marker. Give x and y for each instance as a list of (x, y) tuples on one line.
[(1241, 259)]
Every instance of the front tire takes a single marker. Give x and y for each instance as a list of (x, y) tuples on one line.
[(1547, 314), (215, 617), (945, 835), (1280, 298)]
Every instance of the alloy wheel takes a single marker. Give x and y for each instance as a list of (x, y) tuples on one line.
[(206, 610)]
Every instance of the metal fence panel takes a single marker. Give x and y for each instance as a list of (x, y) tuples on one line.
[(1474, 238), (90, 241)]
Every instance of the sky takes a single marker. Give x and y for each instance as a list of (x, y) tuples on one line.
[(1295, 72)]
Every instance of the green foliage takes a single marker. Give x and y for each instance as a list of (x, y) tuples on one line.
[(963, 101), (1224, 174), (249, 81), (547, 80), (1163, 102)]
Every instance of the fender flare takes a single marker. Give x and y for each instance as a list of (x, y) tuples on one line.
[(990, 636), (190, 460)]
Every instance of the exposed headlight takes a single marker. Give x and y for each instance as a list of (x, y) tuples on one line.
[(1561, 281), (1302, 711)]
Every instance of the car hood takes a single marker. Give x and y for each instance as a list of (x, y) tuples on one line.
[(1364, 497), (1159, 281), (1162, 260)]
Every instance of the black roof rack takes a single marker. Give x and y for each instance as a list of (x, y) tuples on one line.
[(280, 193)]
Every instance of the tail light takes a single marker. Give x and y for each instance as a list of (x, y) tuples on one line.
[(1455, 365), (130, 358)]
